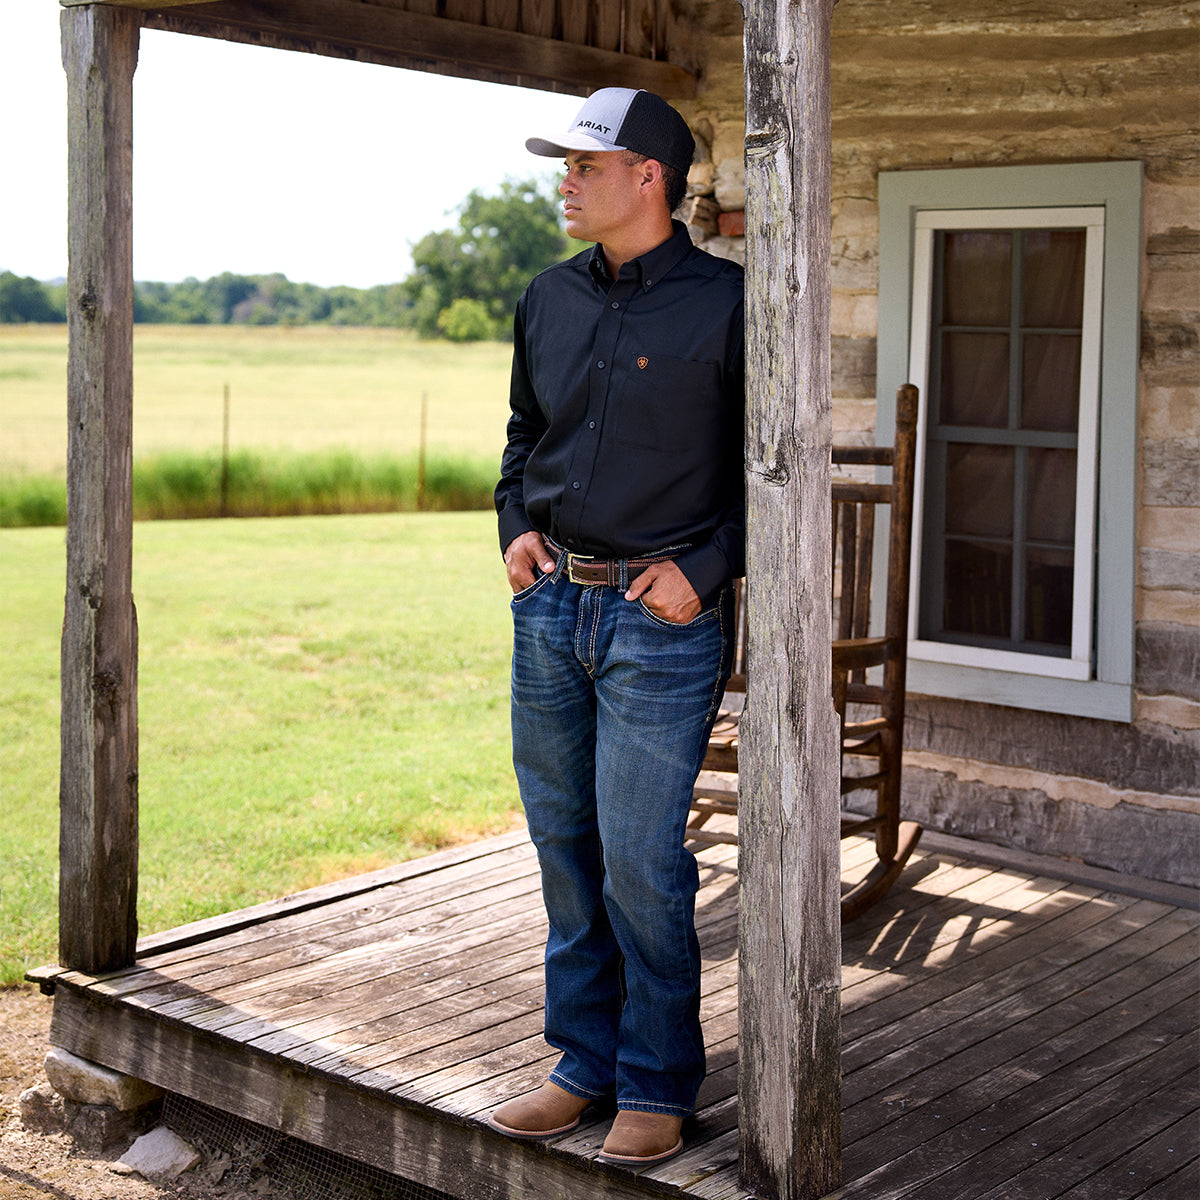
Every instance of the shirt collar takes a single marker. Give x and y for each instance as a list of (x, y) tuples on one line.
[(650, 267)]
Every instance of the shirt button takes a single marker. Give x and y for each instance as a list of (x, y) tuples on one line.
[(575, 485), (600, 365), (591, 424), (615, 304)]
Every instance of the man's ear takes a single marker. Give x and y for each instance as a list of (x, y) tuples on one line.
[(651, 174)]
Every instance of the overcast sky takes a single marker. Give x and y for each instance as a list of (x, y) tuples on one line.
[(252, 160)]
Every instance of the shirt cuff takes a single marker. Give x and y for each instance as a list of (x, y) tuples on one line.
[(706, 570), (513, 523)]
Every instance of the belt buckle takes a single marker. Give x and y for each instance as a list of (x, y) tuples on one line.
[(572, 559)]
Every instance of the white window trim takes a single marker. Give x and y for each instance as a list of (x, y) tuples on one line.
[(1079, 664), (1117, 187)]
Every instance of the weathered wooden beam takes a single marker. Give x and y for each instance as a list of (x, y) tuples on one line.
[(790, 954), (418, 41), (139, 4), (130, 4), (98, 782)]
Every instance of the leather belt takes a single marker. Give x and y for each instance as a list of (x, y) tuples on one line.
[(606, 572), (603, 572)]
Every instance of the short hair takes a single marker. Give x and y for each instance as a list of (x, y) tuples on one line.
[(674, 181)]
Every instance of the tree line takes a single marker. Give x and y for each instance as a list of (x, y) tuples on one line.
[(464, 284)]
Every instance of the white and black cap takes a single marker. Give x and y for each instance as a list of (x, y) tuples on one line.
[(624, 119)]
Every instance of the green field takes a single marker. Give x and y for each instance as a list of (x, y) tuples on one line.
[(318, 696), (291, 389)]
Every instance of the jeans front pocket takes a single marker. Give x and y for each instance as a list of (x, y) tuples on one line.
[(532, 589)]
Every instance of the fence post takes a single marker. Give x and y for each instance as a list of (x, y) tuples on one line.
[(225, 454)]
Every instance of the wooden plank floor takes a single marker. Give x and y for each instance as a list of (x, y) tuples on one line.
[(1006, 1033)]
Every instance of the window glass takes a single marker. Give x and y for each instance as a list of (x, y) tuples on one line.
[(977, 601), (1049, 581), (979, 490), (1050, 381), (974, 379), (977, 265), (1050, 496), (1052, 283)]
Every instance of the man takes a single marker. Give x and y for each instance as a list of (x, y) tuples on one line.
[(622, 524)]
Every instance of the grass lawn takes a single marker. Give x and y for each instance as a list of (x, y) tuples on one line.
[(318, 696), (302, 389)]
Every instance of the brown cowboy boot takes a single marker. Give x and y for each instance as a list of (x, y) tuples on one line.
[(642, 1137), (548, 1111)]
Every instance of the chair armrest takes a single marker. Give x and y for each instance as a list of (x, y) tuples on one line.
[(856, 654)]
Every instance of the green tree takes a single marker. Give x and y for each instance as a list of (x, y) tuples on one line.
[(501, 242), (466, 320), (24, 299)]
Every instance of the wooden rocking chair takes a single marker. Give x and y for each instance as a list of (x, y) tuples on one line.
[(871, 712)]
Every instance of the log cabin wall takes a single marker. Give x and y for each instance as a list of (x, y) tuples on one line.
[(932, 84)]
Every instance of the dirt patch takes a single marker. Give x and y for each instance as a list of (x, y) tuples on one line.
[(36, 1165)]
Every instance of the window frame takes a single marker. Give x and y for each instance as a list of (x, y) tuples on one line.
[(928, 222), (1097, 680)]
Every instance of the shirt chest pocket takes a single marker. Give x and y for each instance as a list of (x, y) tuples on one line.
[(664, 404)]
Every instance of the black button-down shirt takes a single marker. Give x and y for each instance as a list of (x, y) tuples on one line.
[(626, 433)]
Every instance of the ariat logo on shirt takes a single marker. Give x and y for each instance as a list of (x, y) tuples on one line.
[(643, 362)]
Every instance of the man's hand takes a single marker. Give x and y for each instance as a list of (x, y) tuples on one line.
[(666, 592), (525, 557)]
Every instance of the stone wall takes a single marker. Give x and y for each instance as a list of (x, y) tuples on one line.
[(923, 84)]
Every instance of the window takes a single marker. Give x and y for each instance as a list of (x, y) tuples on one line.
[(1005, 337), (1019, 324)]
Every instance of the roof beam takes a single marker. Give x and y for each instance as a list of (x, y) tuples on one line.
[(376, 33), (132, 3)]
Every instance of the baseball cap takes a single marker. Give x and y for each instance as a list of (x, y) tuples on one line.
[(617, 118)]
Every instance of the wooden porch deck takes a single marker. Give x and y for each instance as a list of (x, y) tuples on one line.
[(1006, 1033)]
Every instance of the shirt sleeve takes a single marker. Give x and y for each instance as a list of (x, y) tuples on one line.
[(723, 557), (526, 425)]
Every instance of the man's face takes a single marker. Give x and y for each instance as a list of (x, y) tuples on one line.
[(600, 193)]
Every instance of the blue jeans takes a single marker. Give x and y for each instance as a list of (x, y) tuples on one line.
[(611, 712)]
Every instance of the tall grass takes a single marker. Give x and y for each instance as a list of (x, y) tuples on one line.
[(189, 485), (318, 696)]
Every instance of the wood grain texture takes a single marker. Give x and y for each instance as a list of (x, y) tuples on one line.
[(99, 749), (461, 43), (789, 823), (986, 1008)]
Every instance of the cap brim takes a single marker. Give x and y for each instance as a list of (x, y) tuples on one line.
[(565, 143)]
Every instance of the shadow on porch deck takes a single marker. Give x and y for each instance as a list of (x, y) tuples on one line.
[(1006, 1033)]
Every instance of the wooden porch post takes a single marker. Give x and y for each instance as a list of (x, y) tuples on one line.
[(790, 953), (98, 784)]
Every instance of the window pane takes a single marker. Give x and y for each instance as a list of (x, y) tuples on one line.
[(1052, 295), (1050, 382), (977, 600), (1049, 579), (976, 277), (979, 490), (1050, 496), (975, 379)]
